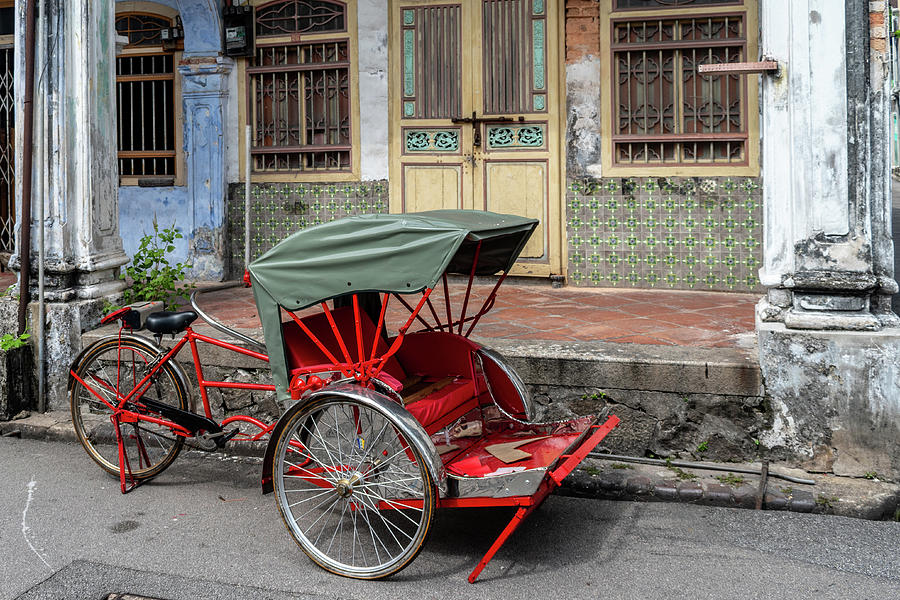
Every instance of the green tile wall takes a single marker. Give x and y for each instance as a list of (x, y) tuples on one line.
[(685, 233), (279, 209)]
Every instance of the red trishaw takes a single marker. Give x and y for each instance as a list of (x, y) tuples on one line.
[(384, 428)]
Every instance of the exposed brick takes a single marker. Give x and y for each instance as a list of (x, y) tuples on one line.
[(878, 45), (876, 19)]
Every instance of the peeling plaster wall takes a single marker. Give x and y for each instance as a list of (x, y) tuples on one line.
[(373, 89), (583, 118), (835, 397)]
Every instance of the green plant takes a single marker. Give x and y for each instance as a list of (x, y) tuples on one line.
[(731, 479), (592, 471), (787, 491), (10, 342), (871, 475), (154, 277), (109, 307), (681, 474), (826, 501), (703, 447)]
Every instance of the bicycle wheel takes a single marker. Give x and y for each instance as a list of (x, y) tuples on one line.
[(112, 368), (352, 487)]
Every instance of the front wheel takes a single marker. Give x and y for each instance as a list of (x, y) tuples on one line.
[(353, 487), (110, 369)]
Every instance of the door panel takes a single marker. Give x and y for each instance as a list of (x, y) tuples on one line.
[(428, 187), (473, 113), (521, 188)]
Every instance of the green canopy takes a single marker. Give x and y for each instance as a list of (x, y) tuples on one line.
[(400, 253)]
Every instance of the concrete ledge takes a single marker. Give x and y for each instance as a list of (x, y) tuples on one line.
[(674, 369)]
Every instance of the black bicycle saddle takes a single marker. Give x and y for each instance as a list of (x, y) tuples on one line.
[(165, 321)]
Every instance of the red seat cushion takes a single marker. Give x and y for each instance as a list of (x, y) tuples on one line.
[(445, 404)]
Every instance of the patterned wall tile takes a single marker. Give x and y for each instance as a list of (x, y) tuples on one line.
[(279, 209), (665, 232)]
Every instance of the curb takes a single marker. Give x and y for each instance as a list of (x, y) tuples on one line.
[(610, 480), (842, 496)]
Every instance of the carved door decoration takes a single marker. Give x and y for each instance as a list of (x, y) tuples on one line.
[(474, 121)]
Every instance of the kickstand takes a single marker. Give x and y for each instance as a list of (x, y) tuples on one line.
[(127, 482), (517, 519)]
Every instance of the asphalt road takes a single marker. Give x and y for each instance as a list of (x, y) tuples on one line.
[(203, 530)]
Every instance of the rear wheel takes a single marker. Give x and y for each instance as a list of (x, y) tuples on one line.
[(111, 368), (353, 488)]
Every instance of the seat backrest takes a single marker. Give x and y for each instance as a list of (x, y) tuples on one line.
[(437, 354), (303, 352)]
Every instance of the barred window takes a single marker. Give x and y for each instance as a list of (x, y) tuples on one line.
[(145, 88), (300, 89), (664, 111)]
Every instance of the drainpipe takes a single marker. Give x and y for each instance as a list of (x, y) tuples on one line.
[(27, 150)]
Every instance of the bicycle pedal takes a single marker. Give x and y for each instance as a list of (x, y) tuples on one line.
[(223, 437)]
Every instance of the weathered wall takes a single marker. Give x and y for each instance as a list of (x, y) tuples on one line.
[(829, 347), (208, 93), (648, 232), (372, 22)]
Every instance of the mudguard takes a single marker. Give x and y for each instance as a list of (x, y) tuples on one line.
[(402, 419)]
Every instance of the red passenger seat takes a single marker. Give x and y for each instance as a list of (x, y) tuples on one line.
[(437, 356), (303, 352)]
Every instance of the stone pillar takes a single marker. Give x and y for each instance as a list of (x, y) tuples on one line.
[(204, 93), (829, 344), (75, 173)]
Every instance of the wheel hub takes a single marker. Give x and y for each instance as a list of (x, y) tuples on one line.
[(344, 487)]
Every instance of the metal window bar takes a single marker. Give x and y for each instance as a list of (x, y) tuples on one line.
[(707, 127), (7, 141), (301, 95), (145, 90)]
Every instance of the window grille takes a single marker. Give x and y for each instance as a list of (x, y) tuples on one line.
[(664, 111), (145, 87), (299, 92), (7, 147)]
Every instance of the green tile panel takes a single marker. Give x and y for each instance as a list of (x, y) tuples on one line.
[(279, 209), (686, 233)]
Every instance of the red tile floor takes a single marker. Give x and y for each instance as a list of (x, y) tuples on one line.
[(532, 312)]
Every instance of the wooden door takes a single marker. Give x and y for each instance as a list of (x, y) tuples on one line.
[(474, 114)]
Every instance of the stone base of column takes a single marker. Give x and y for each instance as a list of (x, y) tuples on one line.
[(835, 397), (64, 322)]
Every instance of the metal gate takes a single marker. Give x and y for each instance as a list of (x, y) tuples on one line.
[(7, 153)]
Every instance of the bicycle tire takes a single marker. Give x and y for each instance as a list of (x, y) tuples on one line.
[(99, 440), (362, 500)]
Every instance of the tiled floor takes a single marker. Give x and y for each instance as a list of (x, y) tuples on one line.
[(534, 312)]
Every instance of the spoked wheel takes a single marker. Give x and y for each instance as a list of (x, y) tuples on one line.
[(112, 370), (352, 486)]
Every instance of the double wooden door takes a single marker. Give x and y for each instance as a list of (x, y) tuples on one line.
[(474, 113)]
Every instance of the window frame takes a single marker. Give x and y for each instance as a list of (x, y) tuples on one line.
[(155, 10), (245, 94), (749, 167)]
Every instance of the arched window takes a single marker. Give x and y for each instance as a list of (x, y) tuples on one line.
[(299, 88), (145, 88)]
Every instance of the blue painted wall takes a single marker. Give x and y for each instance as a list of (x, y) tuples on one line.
[(198, 207)]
